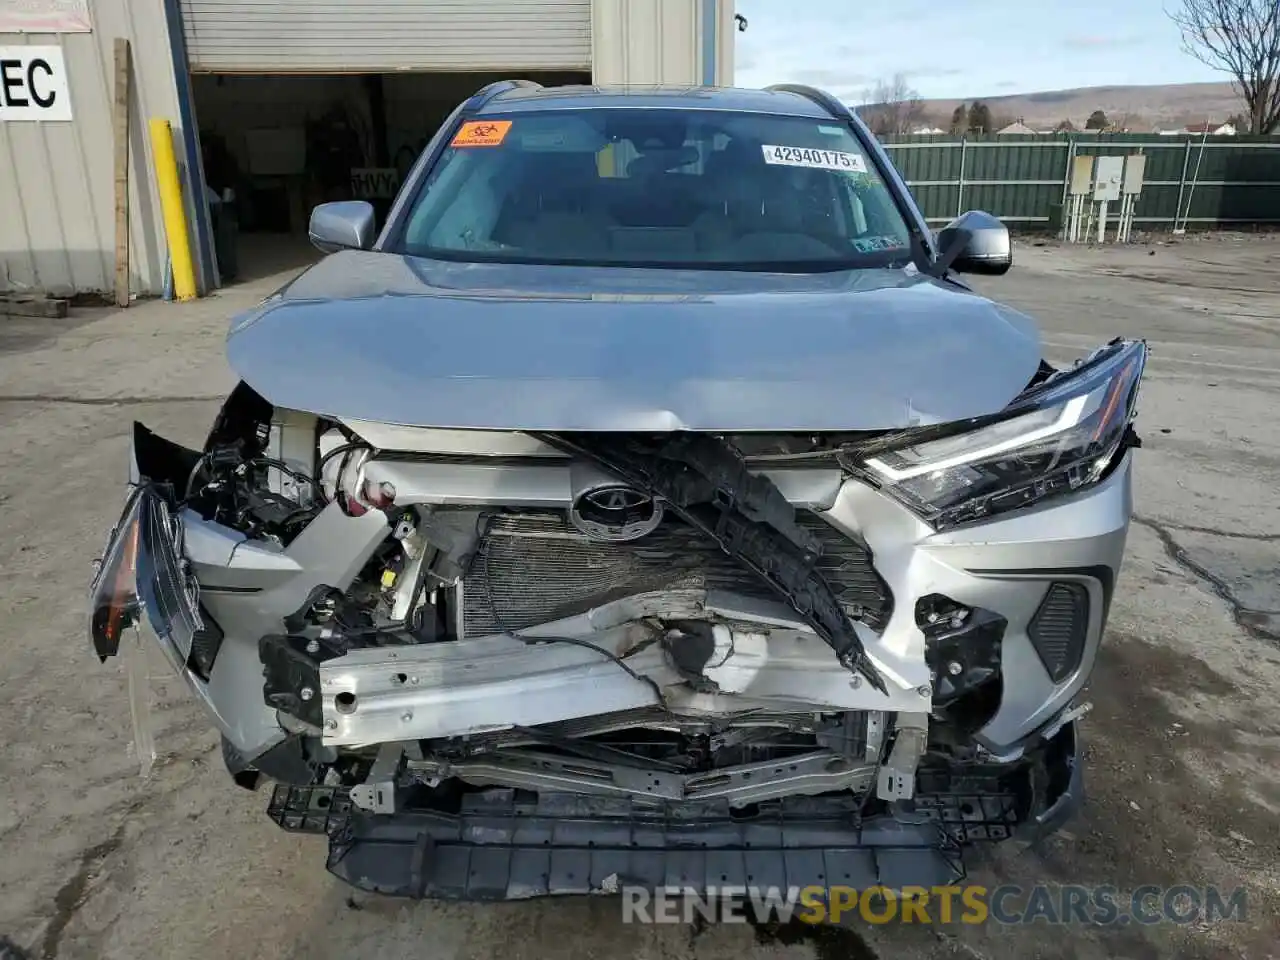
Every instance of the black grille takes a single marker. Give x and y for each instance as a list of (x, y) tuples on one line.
[(1059, 628), (535, 567), (205, 644)]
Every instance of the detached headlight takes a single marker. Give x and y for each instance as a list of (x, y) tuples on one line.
[(1060, 437)]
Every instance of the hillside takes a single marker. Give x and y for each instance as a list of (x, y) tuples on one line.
[(1137, 107)]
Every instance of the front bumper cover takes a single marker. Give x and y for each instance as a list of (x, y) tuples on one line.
[(508, 845)]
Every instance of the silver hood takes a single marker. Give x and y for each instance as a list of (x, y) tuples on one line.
[(376, 336)]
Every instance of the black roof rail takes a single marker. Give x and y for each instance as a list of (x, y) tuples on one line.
[(820, 97), (498, 87)]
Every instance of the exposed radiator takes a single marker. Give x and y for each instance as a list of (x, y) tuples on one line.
[(535, 567)]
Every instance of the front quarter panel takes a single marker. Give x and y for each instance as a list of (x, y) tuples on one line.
[(1005, 565), (1013, 561)]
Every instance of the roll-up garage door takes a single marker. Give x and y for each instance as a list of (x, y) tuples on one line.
[(380, 36)]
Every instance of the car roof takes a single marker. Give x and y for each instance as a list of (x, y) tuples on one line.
[(530, 99)]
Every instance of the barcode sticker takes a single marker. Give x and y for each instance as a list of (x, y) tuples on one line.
[(815, 158)]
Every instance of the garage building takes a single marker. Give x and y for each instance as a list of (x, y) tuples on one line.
[(277, 105)]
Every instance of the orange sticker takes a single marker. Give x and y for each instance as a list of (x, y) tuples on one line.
[(481, 133)]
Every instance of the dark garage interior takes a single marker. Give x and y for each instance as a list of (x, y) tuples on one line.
[(275, 146)]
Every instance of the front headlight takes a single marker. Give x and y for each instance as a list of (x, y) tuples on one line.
[(143, 572), (1061, 436)]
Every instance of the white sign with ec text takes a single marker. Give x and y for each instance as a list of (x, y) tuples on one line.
[(33, 84)]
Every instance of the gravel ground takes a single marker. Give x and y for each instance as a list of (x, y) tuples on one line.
[(1183, 741)]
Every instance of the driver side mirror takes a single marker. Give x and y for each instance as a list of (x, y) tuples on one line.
[(988, 248), (342, 225)]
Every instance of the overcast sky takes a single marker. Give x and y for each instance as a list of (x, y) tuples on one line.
[(961, 48)]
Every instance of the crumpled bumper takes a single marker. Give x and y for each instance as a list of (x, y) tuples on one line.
[(506, 845)]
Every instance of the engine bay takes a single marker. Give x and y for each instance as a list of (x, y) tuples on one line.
[(615, 624), (700, 643)]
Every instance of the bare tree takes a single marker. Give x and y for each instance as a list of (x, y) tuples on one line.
[(979, 118), (1125, 122), (1242, 38), (892, 107), (1001, 120)]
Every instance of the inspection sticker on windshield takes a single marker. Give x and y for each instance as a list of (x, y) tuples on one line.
[(811, 157), (481, 133)]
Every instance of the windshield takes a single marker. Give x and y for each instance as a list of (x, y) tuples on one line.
[(651, 187)]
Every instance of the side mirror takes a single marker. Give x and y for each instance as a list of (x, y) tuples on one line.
[(342, 225), (988, 248)]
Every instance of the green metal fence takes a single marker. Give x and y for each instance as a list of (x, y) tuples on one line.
[(1021, 179)]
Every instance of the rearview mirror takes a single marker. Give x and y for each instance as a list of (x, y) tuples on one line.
[(342, 225), (988, 248)]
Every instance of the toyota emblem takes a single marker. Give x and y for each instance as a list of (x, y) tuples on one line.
[(615, 513)]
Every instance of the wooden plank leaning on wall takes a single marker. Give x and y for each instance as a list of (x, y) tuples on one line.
[(120, 122)]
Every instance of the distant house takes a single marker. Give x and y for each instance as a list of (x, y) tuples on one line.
[(1017, 127), (925, 130), (1212, 129)]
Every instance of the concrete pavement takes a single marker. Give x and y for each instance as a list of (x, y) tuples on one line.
[(1184, 740)]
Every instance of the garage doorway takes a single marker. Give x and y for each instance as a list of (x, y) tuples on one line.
[(274, 146)]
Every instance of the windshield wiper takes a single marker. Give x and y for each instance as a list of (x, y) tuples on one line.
[(704, 482)]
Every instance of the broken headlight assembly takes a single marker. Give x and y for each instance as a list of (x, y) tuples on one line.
[(114, 602), (1060, 437), (143, 574)]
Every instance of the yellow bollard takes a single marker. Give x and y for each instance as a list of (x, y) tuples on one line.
[(175, 217)]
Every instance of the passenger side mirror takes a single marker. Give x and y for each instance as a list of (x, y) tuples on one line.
[(988, 248), (342, 225)]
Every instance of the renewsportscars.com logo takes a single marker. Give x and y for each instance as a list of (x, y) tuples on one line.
[(971, 904)]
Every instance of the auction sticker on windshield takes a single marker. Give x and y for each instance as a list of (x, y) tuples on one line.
[(812, 157), (481, 133)]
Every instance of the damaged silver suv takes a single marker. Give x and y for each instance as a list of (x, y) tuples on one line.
[(648, 502)]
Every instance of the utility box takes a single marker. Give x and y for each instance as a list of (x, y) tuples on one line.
[(1081, 176), (1135, 168), (1108, 174)]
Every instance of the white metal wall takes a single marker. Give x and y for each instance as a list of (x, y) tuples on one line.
[(659, 41), (726, 40), (57, 208), (57, 194), (377, 36)]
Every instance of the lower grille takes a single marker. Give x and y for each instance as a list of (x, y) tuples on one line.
[(1059, 628), (205, 644), (535, 567)]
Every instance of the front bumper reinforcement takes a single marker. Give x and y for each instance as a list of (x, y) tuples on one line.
[(503, 844), (503, 847)]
